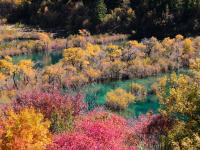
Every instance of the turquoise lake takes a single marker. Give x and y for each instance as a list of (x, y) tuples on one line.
[(95, 95)]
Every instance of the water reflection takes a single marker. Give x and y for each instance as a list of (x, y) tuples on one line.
[(41, 59)]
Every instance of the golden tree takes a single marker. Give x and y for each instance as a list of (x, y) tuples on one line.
[(180, 100), (119, 98), (76, 57), (114, 52), (25, 130)]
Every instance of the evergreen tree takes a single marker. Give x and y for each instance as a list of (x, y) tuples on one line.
[(100, 10)]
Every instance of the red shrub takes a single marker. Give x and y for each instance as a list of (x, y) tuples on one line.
[(73, 141), (104, 131), (51, 102), (60, 109)]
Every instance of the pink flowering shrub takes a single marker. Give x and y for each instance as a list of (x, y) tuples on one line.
[(73, 141), (96, 131), (57, 107)]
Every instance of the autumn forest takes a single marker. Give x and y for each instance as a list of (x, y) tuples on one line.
[(99, 75)]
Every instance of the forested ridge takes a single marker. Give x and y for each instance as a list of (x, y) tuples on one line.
[(160, 18)]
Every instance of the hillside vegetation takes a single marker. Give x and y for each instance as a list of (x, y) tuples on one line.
[(142, 17)]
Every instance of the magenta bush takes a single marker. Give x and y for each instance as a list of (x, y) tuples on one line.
[(96, 131)]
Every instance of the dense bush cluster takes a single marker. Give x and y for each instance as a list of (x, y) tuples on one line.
[(16, 40), (91, 62), (181, 103), (97, 131), (60, 109), (119, 98)]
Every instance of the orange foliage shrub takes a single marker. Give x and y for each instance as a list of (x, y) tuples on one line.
[(26, 130)]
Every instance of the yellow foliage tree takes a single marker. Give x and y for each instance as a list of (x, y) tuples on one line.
[(26, 67), (119, 98), (2, 76), (23, 69), (188, 47), (136, 44), (92, 50), (76, 57), (7, 67), (114, 51), (25, 130), (180, 98), (179, 37), (93, 73)]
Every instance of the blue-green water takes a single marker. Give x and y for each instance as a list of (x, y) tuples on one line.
[(41, 59), (95, 95)]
